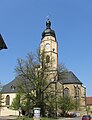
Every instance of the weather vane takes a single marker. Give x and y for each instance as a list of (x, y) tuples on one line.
[(48, 23), (47, 17)]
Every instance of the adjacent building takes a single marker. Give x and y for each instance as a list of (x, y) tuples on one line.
[(89, 105)]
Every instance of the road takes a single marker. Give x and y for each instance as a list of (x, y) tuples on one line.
[(8, 117), (13, 118), (77, 118)]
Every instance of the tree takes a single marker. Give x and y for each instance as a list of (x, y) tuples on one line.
[(51, 102), (35, 81), (1, 101), (19, 103), (1, 97), (16, 103), (66, 103), (88, 109), (33, 84)]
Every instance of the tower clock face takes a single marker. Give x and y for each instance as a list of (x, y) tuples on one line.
[(47, 45)]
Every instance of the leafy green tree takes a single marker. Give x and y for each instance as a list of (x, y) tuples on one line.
[(51, 102), (77, 104), (16, 102), (66, 103)]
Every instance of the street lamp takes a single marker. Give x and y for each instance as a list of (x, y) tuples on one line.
[(2, 43)]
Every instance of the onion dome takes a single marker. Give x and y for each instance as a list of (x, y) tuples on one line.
[(48, 31)]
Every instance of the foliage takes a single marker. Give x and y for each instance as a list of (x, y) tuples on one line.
[(77, 103), (24, 117), (66, 103), (16, 102), (1, 97), (88, 109)]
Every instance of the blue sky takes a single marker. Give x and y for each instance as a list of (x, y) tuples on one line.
[(23, 21)]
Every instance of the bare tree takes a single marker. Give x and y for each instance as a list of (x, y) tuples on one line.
[(34, 81)]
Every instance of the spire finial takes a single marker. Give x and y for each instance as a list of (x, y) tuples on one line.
[(48, 23)]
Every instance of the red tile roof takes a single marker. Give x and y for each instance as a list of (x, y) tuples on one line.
[(88, 100)]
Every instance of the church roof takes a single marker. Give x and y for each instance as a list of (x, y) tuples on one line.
[(68, 78), (11, 87), (64, 78), (48, 31)]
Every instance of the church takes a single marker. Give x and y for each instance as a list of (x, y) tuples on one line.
[(70, 85)]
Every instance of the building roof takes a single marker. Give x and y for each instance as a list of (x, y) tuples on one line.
[(11, 87), (2, 43), (89, 100), (68, 78), (64, 78)]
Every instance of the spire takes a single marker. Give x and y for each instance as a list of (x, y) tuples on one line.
[(48, 31)]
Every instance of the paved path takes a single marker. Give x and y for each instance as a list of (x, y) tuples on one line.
[(14, 117), (8, 117), (76, 118)]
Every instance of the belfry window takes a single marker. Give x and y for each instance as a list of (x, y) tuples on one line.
[(7, 100), (47, 59)]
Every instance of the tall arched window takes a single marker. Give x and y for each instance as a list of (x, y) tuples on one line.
[(76, 89), (66, 92), (7, 100), (47, 59)]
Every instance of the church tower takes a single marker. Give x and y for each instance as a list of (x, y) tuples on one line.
[(50, 46)]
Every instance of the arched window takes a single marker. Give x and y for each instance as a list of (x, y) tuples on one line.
[(66, 92), (7, 100), (47, 59), (76, 89)]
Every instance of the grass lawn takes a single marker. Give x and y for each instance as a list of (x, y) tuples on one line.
[(26, 118)]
